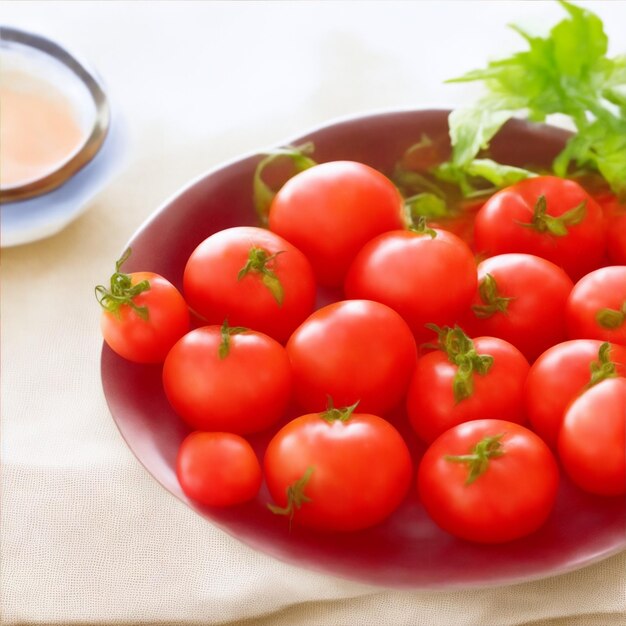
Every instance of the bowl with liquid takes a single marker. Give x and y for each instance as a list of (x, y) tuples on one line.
[(58, 138)]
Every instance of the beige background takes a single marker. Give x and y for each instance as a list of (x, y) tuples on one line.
[(87, 536)]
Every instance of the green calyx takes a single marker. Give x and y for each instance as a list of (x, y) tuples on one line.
[(227, 332), (332, 414), (421, 227), (603, 368), (260, 262), (295, 497), (543, 222), (460, 350), (121, 291), (478, 459), (263, 193), (490, 295), (611, 319)]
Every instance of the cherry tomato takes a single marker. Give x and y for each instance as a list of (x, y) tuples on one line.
[(353, 351), (563, 372), (427, 278), (615, 214), (547, 216), (592, 440), (338, 470), (596, 307), (227, 379), (466, 380), (488, 481), (521, 298), (331, 210), (251, 277), (143, 315), (218, 469)]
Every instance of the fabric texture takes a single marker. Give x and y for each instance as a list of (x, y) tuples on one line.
[(86, 535)]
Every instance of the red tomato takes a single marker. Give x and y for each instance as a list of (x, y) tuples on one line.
[(352, 351), (338, 470), (227, 379), (521, 298), (546, 216), (144, 315), (615, 214), (466, 380), (218, 469), (427, 279), (596, 307), (331, 210), (592, 440), (563, 372), (488, 481), (251, 277)]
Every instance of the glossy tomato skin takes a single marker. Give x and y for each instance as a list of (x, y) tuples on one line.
[(592, 440), (362, 470), (331, 210), (218, 469), (425, 279), (502, 224), (534, 316), (216, 291), (353, 351), (246, 391), (147, 341), (432, 408), (602, 289), (558, 377), (514, 496)]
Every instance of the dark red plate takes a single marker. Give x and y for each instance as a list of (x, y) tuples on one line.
[(407, 550)]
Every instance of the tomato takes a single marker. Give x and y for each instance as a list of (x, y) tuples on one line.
[(592, 440), (615, 214), (596, 307), (218, 469), (338, 470), (227, 379), (563, 372), (488, 481), (251, 277), (521, 298), (547, 216), (331, 210), (143, 315), (466, 380), (353, 351), (427, 278)]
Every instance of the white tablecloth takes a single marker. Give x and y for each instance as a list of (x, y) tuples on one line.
[(87, 536)]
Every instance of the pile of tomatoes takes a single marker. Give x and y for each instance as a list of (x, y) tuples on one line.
[(506, 353)]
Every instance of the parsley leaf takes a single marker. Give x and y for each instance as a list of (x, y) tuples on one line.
[(566, 72)]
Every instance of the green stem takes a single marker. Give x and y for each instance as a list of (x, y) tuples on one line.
[(227, 332), (263, 193), (295, 497), (121, 291), (543, 222), (260, 262), (331, 414), (421, 227), (603, 368), (490, 295), (460, 350), (478, 459), (611, 319)]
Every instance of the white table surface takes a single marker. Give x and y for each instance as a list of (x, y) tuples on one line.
[(87, 536)]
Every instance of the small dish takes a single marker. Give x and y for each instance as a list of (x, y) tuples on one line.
[(46, 184)]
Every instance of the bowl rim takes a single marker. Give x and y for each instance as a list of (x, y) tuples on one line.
[(94, 139)]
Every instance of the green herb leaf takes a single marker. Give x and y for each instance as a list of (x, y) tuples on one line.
[(565, 72)]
